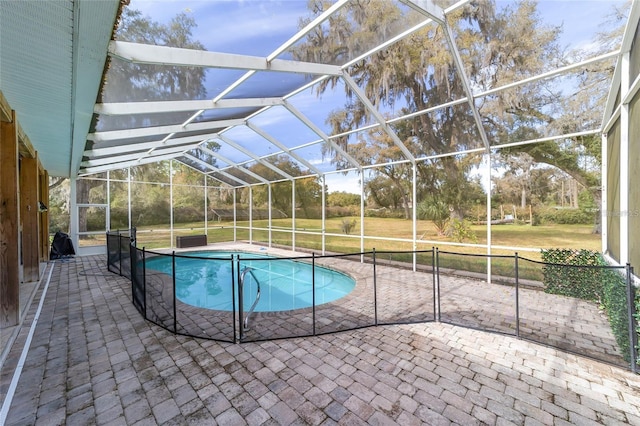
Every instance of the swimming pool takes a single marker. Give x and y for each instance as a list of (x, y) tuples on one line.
[(205, 279)]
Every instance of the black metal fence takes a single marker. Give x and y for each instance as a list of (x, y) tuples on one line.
[(443, 286)]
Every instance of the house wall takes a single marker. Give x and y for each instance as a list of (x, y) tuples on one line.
[(621, 165), (23, 226), (634, 179), (613, 192)]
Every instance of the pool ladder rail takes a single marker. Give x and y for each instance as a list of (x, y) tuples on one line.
[(245, 271)]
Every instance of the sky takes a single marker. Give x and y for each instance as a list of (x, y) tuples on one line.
[(257, 27)]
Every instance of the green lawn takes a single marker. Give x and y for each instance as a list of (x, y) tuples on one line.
[(536, 237), (308, 236)]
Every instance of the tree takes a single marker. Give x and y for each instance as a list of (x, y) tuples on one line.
[(517, 176), (579, 110), (308, 190), (436, 211), (128, 81), (418, 72), (131, 82), (382, 192), (343, 199)]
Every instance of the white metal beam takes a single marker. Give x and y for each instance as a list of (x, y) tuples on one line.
[(255, 157), (465, 82), (322, 134), (404, 34), (161, 130), (174, 56), (427, 7), (309, 27), (376, 114), (231, 163), (623, 256), (145, 146), (136, 156), (216, 170), (191, 166), (129, 108), (286, 150), (283, 47), (125, 164), (604, 194)]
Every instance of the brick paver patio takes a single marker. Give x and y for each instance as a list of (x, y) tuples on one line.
[(95, 360)]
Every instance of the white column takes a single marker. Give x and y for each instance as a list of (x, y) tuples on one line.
[(324, 214), (293, 215), (361, 210), (250, 215), (604, 219), (108, 218), (488, 183), (129, 221), (74, 213), (171, 203), (206, 208), (414, 214), (270, 217), (624, 163), (235, 217)]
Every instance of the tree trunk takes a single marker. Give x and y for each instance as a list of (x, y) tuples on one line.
[(597, 226), (82, 197)]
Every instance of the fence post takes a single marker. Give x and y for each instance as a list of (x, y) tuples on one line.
[(438, 282), (175, 320), (240, 298), (633, 341), (233, 298), (313, 290), (132, 271), (375, 290), (433, 276), (517, 297), (144, 282), (119, 254)]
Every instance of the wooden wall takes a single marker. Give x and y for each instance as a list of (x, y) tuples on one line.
[(9, 224), (24, 240)]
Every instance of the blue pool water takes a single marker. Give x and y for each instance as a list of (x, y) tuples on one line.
[(284, 284)]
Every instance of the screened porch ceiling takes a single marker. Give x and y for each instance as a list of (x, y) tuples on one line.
[(262, 104)]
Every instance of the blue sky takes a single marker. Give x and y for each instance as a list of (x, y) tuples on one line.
[(257, 27)]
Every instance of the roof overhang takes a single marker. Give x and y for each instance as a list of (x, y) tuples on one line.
[(52, 57)]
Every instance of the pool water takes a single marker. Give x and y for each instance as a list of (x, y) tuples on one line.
[(284, 284)]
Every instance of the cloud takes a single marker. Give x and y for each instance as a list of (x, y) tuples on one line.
[(245, 27)]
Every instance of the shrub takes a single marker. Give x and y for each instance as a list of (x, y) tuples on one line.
[(437, 211), (565, 216), (570, 273), (348, 225), (615, 304), (385, 212), (338, 211), (637, 316), (584, 274), (460, 231)]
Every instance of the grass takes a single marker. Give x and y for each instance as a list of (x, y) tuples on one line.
[(534, 237), (308, 235)]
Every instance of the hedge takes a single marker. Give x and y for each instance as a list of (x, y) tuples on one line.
[(585, 274)]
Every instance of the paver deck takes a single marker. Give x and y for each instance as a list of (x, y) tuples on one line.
[(95, 360)]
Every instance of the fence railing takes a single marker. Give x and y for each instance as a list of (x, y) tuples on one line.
[(442, 286)]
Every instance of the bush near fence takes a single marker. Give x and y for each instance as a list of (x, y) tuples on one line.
[(637, 317), (594, 282)]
